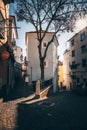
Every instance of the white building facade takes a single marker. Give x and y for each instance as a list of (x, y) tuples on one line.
[(50, 64), (18, 54)]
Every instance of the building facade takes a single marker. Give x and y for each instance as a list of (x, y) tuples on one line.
[(18, 54), (66, 69), (60, 75), (77, 58), (7, 79), (50, 64)]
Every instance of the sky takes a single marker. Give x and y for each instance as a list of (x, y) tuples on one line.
[(63, 38)]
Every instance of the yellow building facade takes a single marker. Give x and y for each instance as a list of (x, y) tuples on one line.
[(60, 75)]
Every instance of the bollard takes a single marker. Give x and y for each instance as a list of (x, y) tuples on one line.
[(37, 89)]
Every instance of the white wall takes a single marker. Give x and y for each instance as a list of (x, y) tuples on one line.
[(17, 53), (33, 58)]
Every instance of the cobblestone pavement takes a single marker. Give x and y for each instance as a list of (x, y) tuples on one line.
[(8, 113), (63, 111), (9, 108)]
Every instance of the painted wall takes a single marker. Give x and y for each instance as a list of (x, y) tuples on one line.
[(79, 72), (60, 75), (66, 69), (33, 58)]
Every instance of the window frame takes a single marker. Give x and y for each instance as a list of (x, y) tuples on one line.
[(73, 53), (82, 36), (44, 44), (84, 62), (46, 64), (83, 49), (72, 42)]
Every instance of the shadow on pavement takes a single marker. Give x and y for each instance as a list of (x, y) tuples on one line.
[(65, 111), (19, 91), (33, 117)]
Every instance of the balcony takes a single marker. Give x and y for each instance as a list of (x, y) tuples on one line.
[(73, 77), (73, 66)]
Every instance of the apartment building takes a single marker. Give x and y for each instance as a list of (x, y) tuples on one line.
[(77, 58), (18, 54), (50, 64), (7, 78)]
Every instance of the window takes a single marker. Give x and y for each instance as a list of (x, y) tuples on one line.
[(84, 62), (73, 63), (73, 75), (82, 36), (46, 63), (72, 42), (73, 53), (83, 49), (44, 44)]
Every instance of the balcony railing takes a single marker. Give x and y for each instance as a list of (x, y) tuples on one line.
[(73, 66), (73, 76)]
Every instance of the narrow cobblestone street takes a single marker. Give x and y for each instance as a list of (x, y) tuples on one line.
[(63, 111)]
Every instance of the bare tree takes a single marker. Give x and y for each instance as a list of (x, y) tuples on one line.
[(56, 15)]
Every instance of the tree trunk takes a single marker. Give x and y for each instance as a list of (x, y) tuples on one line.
[(42, 72)]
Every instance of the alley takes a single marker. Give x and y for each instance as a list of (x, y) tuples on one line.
[(63, 111)]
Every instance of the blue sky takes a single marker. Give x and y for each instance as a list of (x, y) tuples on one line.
[(24, 27)]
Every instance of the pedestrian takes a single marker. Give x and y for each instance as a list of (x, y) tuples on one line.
[(84, 84)]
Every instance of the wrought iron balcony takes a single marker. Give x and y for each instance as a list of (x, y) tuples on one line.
[(73, 76), (73, 66)]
